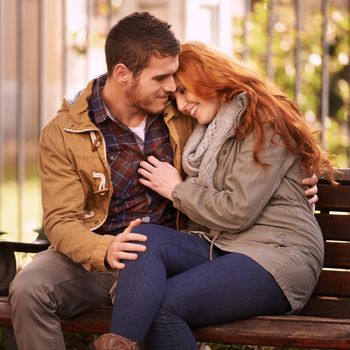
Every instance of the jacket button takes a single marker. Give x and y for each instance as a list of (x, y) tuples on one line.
[(224, 151)]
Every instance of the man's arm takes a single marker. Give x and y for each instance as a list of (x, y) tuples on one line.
[(64, 198)]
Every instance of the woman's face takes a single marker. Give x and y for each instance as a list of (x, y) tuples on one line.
[(192, 105)]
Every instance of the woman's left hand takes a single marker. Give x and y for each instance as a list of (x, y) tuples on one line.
[(159, 176)]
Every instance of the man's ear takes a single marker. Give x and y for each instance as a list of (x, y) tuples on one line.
[(122, 73)]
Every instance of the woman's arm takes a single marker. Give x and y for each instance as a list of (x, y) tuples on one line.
[(249, 187), (159, 176)]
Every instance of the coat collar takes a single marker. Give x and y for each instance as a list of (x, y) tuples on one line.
[(77, 110)]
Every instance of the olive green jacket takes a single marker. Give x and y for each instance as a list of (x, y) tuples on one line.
[(76, 179), (260, 212)]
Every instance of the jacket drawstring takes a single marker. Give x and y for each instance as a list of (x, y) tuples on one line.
[(90, 214), (102, 189), (217, 234), (205, 236), (94, 141)]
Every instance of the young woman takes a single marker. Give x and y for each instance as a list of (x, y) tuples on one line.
[(253, 246)]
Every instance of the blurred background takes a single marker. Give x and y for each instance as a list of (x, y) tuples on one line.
[(51, 48)]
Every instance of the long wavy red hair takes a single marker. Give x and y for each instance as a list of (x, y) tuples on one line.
[(209, 73)]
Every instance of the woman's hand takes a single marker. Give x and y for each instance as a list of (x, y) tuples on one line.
[(159, 176)]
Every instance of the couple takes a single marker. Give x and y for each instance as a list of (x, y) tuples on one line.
[(112, 198)]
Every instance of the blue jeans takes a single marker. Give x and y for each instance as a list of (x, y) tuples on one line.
[(174, 286)]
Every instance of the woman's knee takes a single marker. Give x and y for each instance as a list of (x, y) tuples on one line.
[(156, 234)]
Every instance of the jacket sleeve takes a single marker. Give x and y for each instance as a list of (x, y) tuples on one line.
[(63, 201), (247, 189)]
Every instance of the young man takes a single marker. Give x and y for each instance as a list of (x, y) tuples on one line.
[(89, 156)]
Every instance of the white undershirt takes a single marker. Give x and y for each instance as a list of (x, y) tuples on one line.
[(139, 130)]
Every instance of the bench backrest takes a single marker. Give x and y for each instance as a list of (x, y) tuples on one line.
[(333, 215)]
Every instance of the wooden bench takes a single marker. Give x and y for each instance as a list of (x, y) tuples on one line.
[(324, 323)]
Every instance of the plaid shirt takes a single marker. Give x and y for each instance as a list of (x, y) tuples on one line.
[(131, 200)]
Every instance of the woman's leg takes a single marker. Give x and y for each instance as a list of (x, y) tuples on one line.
[(143, 283), (228, 288)]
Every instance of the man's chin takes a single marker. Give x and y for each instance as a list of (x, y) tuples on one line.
[(158, 110)]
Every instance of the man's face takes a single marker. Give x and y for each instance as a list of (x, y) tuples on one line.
[(149, 91)]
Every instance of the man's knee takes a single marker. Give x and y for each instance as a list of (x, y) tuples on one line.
[(27, 290)]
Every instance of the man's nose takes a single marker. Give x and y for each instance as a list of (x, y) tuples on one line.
[(170, 85)]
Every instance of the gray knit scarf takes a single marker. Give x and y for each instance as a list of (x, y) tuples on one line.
[(199, 158)]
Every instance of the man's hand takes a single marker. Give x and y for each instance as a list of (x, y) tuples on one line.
[(311, 192), (159, 176), (122, 249)]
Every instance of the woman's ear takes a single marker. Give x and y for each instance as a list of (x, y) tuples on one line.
[(121, 73)]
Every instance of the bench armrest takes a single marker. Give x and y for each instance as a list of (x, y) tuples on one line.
[(8, 266)]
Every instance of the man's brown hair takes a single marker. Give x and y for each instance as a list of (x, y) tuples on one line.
[(136, 38)]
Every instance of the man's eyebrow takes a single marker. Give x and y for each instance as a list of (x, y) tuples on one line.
[(161, 76)]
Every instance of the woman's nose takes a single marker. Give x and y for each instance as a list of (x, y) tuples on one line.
[(181, 103)]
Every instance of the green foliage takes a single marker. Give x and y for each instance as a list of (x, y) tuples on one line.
[(337, 126), (79, 341), (231, 347), (2, 340), (74, 341)]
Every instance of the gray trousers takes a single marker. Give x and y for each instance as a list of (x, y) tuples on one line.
[(50, 288)]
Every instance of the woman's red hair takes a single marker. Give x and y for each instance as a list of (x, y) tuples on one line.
[(208, 74)]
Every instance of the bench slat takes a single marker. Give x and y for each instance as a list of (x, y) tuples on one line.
[(5, 313), (334, 283), (342, 175), (334, 199), (327, 307), (284, 331), (334, 227), (337, 254)]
